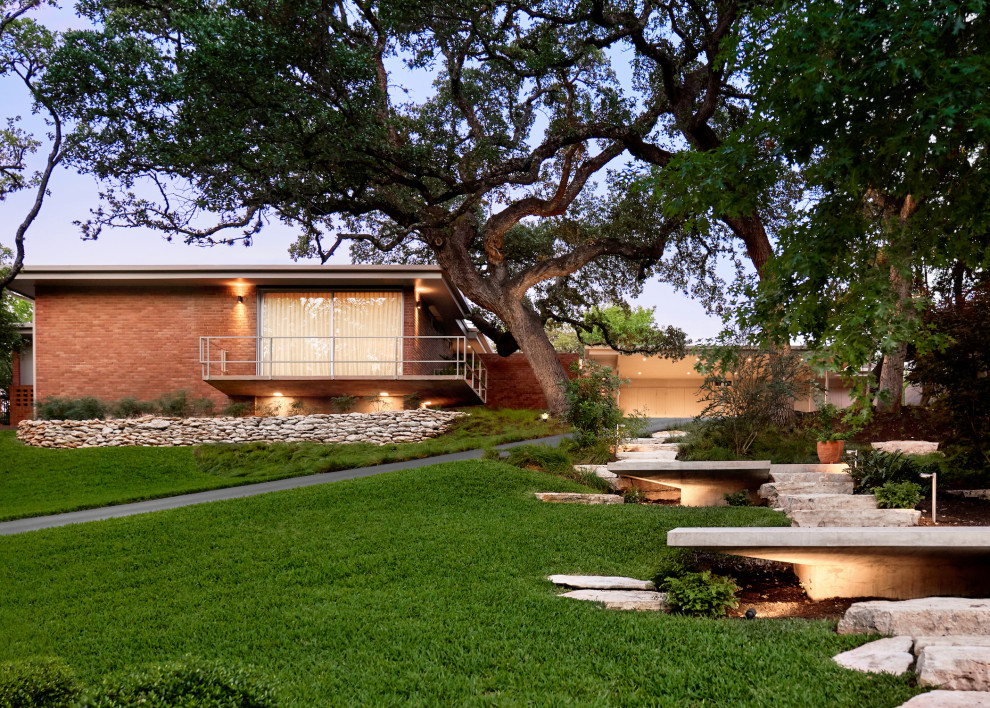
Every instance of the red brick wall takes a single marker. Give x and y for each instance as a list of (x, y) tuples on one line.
[(512, 384), (114, 342)]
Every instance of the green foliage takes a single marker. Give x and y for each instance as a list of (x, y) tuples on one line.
[(187, 684), (740, 498), (490, 453), (745, 391), (38, 481), (592, 406), (715, 440), (898, 495), (343, 404), (876, 469), (37, 683), (824, 424), (625, 328), (334, 610), (885, 108), (540, 457), (173, 404), (601, 452), (236, 409), (633, 495), (956, 374), (411, 402), (68, 408), (701, 594)]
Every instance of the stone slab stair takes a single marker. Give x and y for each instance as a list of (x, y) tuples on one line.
[(822, 495)]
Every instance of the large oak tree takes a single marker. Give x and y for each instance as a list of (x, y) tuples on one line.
[(476, 136)]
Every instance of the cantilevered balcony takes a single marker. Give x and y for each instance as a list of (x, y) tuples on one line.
[(441, 367)]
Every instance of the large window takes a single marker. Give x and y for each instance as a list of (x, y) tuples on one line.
[(331, 333)]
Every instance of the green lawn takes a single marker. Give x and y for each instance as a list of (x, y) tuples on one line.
[(421, 587), (37, 481)]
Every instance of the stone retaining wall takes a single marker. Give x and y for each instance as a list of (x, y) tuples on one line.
[(379, 428)]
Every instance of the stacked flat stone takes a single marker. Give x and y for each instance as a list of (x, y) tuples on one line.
[(150, 431)]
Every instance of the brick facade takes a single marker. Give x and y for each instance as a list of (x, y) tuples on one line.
[(141, 342), (512, 384)]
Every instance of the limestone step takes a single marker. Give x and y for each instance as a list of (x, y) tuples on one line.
[(855, 517), (816, 468), (821, 502), (771, 491), (949, 699), (955, 668), (575, 498), (601, 582), (648, 447), (623, 599), (651, 455), (884, 656), (922, 617), (806, 477)]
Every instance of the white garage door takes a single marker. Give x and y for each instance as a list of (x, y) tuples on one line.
[(660, 402)]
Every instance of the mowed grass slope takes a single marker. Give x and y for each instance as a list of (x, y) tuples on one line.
[(37, 481), (422, 587)]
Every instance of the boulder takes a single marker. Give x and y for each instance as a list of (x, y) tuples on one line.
[(884, 656), (908, 447), (956, 668), (927, 616)]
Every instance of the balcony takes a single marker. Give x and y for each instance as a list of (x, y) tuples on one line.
[(439, 367)]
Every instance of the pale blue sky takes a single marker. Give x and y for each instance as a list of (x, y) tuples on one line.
[(54, 240)]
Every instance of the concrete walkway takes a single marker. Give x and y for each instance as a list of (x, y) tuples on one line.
[(36, 523)]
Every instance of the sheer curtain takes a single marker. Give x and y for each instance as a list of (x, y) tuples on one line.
[(364, 327), (300, 325), (376, 319)]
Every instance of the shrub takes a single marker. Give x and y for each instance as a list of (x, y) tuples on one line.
[(411, 402), (174, 404), (189, 684), (66, 408), (201, 407), (632, 495), (898, 495), (128, 407), (747, 392), (540, 457), (37, 683), (740, 498), (701, 594), (599, 453), (877, 468), (235, 409), (592, 407)]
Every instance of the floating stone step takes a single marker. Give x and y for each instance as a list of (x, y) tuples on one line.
[(820, 502), (649, 447), (854, 517), (884, 656)]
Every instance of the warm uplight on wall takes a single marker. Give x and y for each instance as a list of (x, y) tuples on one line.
[(426, 404), (240, 299), (383, 393), (639, 373), (276, 394)]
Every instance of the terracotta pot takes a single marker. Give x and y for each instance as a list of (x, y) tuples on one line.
[(831, 452)]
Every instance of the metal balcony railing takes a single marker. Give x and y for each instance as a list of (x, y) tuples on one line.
[(344, 357)]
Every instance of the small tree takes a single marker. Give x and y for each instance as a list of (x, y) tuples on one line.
[(592, 403), (744, 389)]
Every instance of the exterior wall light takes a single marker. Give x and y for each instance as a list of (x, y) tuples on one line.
[(240, 299)]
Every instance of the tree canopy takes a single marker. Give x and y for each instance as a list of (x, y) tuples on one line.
[(884, 106), (25, 47), (474, 136)]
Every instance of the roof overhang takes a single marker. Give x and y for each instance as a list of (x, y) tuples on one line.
[(430, 281)]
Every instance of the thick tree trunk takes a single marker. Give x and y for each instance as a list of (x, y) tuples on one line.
[(543, 359), (890, 392)]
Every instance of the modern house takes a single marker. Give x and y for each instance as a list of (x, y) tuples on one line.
[(263, 335)]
